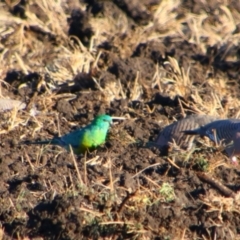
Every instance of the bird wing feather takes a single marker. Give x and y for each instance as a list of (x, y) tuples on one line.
[(73, 138)]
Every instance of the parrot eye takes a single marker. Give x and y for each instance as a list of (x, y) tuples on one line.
[(106, 120)]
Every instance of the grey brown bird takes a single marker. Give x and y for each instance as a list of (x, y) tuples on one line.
[(173, 133), (225, 132), (8, 104)]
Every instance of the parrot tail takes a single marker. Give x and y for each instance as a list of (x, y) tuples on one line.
[(38, 142), (54, 141)]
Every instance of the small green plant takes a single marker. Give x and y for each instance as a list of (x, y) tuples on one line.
[(202, 164), (166, 238), (167, 192)]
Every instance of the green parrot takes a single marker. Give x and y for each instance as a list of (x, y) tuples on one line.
[(87, 138)]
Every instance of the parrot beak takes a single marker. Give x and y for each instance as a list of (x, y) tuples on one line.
[(116, 118)]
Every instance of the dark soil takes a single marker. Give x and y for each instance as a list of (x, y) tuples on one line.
[(118, 192)]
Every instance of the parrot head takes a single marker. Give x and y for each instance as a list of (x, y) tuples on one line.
[(103, 121)]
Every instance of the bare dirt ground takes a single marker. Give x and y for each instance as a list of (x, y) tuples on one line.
[(151, 61)]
